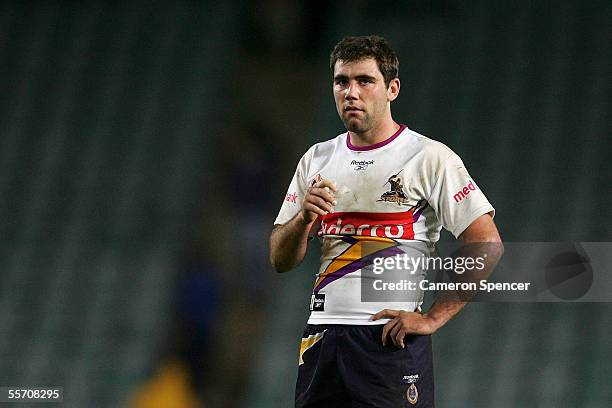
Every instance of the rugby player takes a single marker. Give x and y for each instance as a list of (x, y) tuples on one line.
[(367, 191)]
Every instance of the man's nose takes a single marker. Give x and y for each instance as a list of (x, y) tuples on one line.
[(351, 91)]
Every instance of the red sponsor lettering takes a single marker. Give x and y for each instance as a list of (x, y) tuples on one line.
[(396, 225), (291, 197), (461, 194)]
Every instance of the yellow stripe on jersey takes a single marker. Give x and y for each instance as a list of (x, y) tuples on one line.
[(355, 252)]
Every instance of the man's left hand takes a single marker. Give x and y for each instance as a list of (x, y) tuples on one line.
[(404, 323)]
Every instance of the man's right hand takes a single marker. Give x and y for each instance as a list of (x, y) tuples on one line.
[(289, 241), (319, 200)]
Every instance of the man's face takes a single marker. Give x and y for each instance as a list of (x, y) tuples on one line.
[(362, 98)]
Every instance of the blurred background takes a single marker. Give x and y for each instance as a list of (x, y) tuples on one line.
[(146, 147)]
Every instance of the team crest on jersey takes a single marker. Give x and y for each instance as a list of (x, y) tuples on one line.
[(412, 394), (396, 192)]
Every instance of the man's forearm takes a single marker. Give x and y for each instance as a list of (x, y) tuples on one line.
[(442, 311), (288, 243), (449, 303)]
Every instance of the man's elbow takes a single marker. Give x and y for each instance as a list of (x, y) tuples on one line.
[(279, 264), (487, 242), (279, 267), (494, 245), (500, 250)]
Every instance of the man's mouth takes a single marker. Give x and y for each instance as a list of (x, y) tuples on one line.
[(352, 109)]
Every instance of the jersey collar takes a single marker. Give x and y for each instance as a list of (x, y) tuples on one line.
[(375, 145)]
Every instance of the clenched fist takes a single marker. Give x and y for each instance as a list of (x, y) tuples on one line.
[(319, 199)]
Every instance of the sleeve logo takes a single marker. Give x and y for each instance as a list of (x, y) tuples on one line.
[(291, 198), (463, 193)]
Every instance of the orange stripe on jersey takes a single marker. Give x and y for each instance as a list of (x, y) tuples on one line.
[(353, 258)]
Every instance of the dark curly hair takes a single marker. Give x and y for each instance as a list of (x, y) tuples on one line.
[(372, 46)]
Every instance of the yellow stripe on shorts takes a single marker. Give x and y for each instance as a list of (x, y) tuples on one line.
[(308, 342)]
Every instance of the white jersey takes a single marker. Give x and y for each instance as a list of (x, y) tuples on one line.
[(401, 191)]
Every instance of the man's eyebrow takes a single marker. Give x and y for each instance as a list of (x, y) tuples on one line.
[(357, 77), (365, 76)]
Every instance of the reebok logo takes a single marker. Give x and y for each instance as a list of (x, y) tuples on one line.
[(410, 378), (317, 302), (361, 164), (463, 193)]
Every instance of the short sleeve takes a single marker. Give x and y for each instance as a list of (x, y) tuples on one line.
[(292, 203), (456, 198)]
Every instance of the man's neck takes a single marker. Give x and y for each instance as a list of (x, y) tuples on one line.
[(375, 135)]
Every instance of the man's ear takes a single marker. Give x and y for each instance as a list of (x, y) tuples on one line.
[(393, 89)]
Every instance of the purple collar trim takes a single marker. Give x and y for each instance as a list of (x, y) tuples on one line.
[(375, 145)]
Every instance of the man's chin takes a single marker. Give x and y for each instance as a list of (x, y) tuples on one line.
[(355, 126)]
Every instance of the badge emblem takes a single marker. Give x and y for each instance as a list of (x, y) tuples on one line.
[(412, 394), (396, 192)]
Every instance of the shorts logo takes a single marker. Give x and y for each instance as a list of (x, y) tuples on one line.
[(412, 394), (361, 164), (317, 302), (410, 379), (396, 192)]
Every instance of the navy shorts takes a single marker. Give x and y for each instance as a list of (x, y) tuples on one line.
[(343, 366)]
